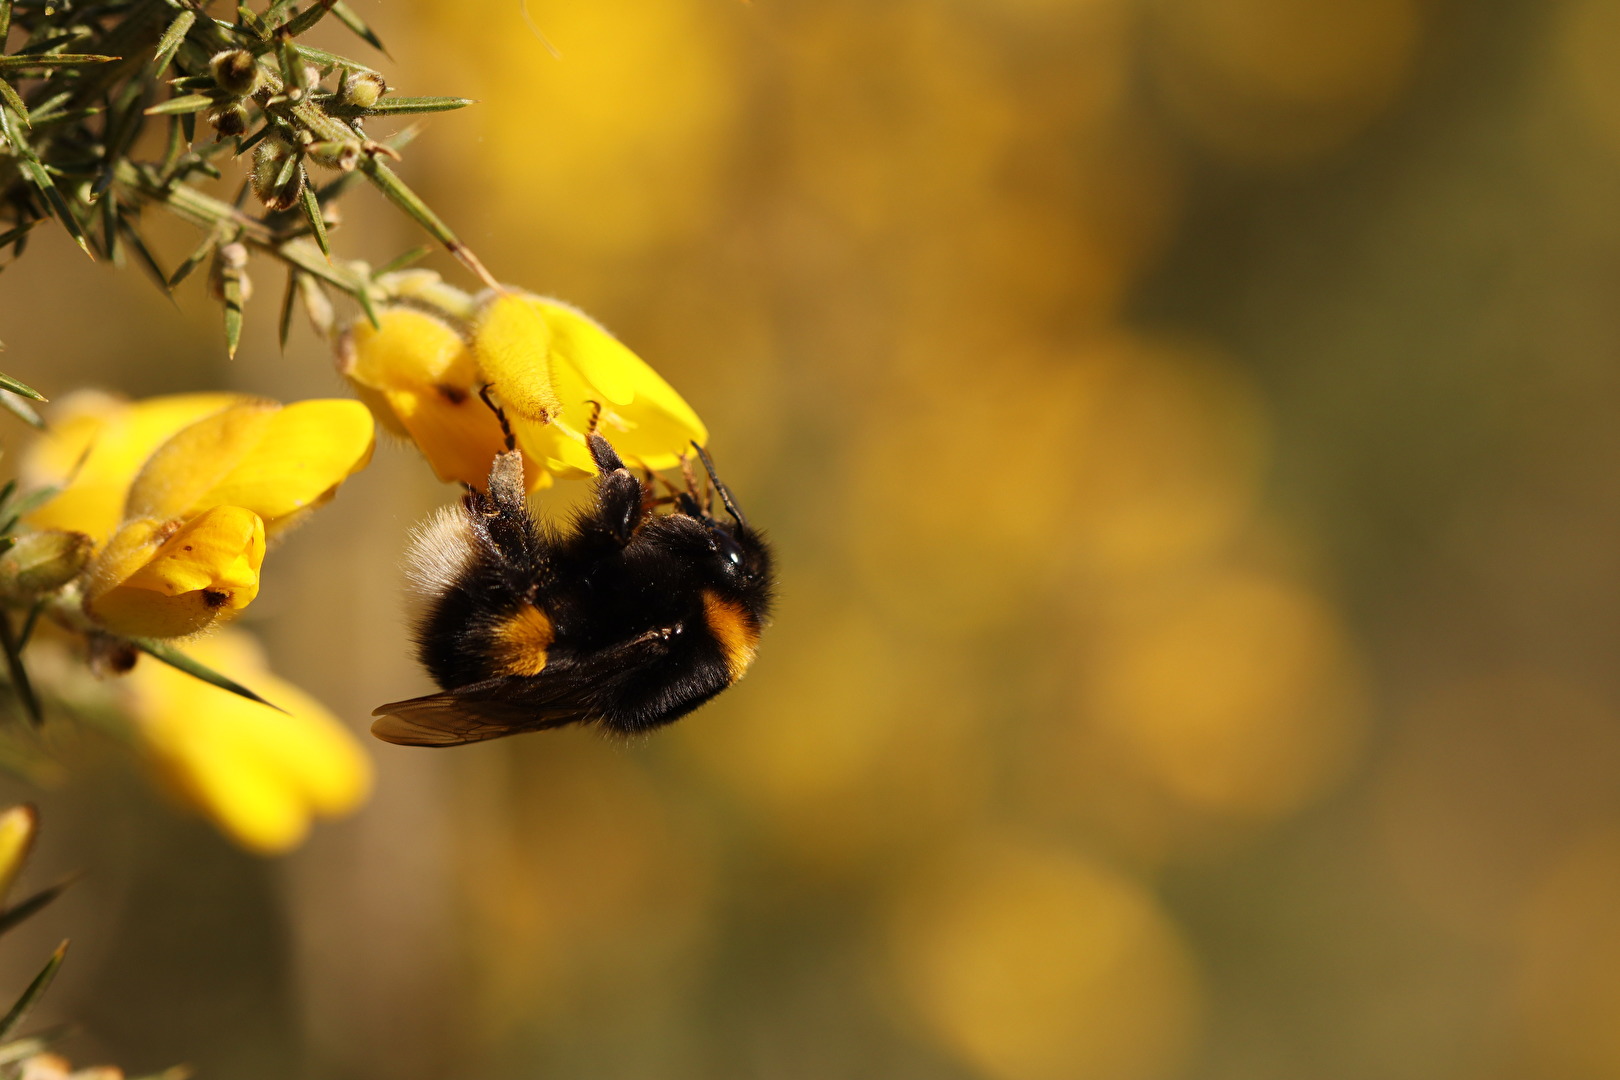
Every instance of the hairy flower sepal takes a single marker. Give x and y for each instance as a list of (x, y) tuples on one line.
[(171, 579), (43, 561)]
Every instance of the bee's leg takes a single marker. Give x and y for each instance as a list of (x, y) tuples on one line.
[(620, 498), (500, 414)]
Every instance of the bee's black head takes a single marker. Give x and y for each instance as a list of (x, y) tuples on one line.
[(735, 558)]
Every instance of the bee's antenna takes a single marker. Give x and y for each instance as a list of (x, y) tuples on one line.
[(500, 414), (725, 494)]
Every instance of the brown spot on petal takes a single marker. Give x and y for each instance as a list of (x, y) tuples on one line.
[(215, 598)]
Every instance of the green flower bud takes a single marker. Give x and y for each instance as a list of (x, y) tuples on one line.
[(362, 89), (236, 71), (44, 561), (227, 274), (344, 155), (278, 176)]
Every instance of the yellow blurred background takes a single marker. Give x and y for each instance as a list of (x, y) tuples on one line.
[(1187, 431)]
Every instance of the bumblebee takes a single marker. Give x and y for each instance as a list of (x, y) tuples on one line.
[(630, 619)]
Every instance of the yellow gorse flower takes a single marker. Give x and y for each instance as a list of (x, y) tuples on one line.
[(423, 366), (95, 444), (183, 493), (18, 825), (259, 774)]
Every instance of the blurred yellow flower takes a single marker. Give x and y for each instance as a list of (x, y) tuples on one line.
[(260, 774), (199, 482), (49, 1066), (18, 824), (549, 365), (95, 444)]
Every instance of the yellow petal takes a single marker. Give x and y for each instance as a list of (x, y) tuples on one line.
[(607, 365), (647, 422), (459, 439), (307, 449), (154, 581), (95, 445), (408, 350), (261, 775), (274, 460), (196, 459), (512, 343), (17, 828), (419, 378)]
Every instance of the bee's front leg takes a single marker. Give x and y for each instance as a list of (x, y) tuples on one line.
[(621, 503)]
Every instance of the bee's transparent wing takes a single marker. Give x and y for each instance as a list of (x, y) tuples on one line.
[(456, 717)]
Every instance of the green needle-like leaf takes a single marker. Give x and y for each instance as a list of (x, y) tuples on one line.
[(143, 253), (323, 59), (31, 621), (307, 18), (29, 164), (288, 296), (35, 991), (194, 260), (162, 650), (400, 262), (169, 43), (252, 21), (5, 18), (233, 317), (312, 214), (402, 106), (190, 103), (20, 684), (9, 95), (23, 411), (16, 233), (358, 26), (16, 386), (29, 503), (389, 183), (18, 912), (51, 60)]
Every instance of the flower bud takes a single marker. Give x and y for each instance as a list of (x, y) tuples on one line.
[(44, 561), (343, 155), (362, 89), (228, 273), (236, 71), (278, 176), (229, 119)]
